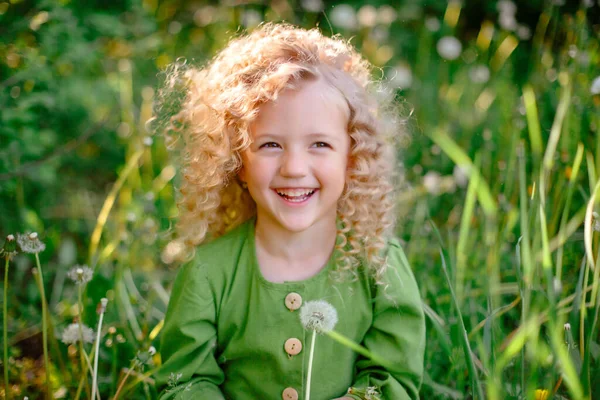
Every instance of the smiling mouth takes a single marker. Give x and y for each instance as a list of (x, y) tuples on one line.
[(295, 195)]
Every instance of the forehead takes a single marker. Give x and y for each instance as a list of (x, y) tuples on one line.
[(312, 104)]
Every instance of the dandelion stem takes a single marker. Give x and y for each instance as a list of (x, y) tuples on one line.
[(82, 354), (86, 367), (44, 324), (95, 374), (5, 329), (310, 363)]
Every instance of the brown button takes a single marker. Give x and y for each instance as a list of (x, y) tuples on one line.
[(289, 394), (293, 301), (293, 346)]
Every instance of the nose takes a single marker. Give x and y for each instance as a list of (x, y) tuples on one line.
[(293, 164)]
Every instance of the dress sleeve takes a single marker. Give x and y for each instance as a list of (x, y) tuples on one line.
[(189, 338), (397, 334)]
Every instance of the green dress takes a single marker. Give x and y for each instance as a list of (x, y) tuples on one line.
[(231, 334)]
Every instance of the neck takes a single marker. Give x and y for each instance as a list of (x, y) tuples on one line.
[(315, 242)]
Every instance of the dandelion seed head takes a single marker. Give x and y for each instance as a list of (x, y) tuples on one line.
[(479, 74), (314, 6), (71, 334), (461, 175), (432, 24), (318, 315), (449, 47), (432, 182), (30, 243), (102, 306), (80, 274), (400, 76), (506, 7), (524, 32), (344, 16), (9, 250), (595, 88)]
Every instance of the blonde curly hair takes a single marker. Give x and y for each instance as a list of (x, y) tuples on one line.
[(219, 102)]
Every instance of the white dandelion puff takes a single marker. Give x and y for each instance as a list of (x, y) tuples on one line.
[(461, 175), (314, 6), (432, 182), (71, 334), (595, 88), (30, 243), (80, 274), (432, 24), (400, 76), (367, 16), (449, 47), (318, 315), (344, 16), (479, 74)]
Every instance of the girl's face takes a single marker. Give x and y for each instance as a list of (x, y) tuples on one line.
[(295, 167)]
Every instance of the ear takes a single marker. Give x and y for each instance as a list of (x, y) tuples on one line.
[(241, 175)]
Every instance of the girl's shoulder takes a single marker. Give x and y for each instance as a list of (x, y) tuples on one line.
[(398, 272), (222, 254)]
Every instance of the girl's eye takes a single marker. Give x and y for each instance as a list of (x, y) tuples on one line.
[(269, 145), (321, 145)]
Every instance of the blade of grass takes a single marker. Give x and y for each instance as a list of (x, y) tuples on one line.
[(463, 236), (565, 213), (587, 227), (108, 203), (461, 158), (533, 122), (475, 382)]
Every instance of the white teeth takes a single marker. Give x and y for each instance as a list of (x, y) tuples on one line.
[(295, 192)]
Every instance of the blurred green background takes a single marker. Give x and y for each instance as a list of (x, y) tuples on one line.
[(501, 167)]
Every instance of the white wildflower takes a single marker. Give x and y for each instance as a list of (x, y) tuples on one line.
[(318, 315), (595, 88), (507, 21), (432, 181), (343, 15), (251, 18), (314, 6), (30, 243), (567, 326), (506, 7), (80, 274), (461, 175), (400, 76), (147, 141), (432, 24), (367, 16), (523, 32), (71, 334), (449, 47), (386, 14), (479, 74)]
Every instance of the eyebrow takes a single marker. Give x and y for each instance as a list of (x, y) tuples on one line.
[(310, 135)]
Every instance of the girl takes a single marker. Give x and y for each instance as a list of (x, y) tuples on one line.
[(287, 183)]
